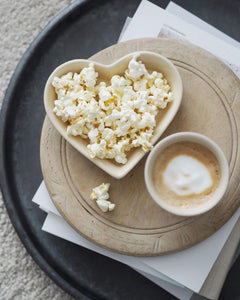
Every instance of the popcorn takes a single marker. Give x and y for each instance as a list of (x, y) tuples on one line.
[(114, 118), (105, 205), (88, 76), (98, 149), (93, 135), (100, 194), (135, 69)]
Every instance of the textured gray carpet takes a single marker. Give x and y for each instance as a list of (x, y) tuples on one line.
[(20, 23)]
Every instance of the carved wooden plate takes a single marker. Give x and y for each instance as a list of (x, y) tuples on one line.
[(138, 226)]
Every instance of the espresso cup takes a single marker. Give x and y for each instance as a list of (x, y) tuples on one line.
[(186, 173)]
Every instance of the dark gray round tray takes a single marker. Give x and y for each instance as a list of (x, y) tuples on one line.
[(79, 31)]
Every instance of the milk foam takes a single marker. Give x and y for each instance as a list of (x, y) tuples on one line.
[(185, 175)]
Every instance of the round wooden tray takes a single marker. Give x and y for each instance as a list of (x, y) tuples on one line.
[(137, 226)]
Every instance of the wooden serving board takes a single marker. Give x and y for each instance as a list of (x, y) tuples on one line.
[(138, 226)]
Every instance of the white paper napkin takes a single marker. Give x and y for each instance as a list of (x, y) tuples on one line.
[(150, 19), (182, 13), (188, 268)]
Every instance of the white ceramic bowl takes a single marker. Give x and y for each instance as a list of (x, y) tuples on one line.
[(187, 137), (152, 61)]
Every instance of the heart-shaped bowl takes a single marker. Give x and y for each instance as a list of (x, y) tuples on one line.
[(153, 62)]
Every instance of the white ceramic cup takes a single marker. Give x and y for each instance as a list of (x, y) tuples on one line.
[(195, 138)]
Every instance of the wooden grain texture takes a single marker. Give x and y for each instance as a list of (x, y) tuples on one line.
[(138, 226)]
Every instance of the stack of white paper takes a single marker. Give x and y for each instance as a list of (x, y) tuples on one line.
[(184, 272)]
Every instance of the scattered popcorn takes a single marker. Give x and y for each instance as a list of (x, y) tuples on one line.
[(105, 205), (100, 194), (114, 118)]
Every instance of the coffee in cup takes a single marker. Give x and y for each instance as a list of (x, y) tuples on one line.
[(186, 173)]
